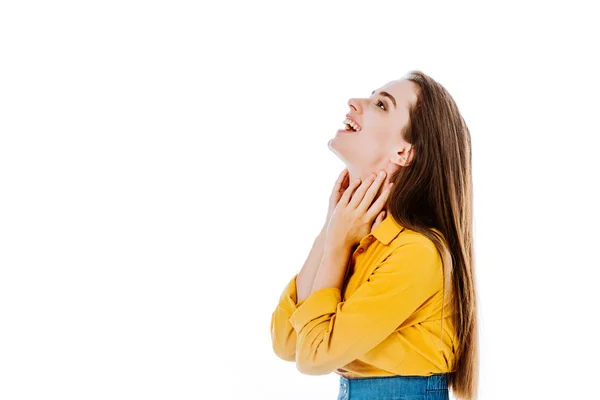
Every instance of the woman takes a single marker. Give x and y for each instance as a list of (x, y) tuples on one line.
[(386, 298)]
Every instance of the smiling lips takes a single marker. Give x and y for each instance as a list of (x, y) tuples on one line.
[(350, 123)]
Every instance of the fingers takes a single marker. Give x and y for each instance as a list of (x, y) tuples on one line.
[(349, 191), (360, 192), (338, 188), (378, 220), (361, 200), (342, 176), (345, 180), (379, 203), (339, 184)]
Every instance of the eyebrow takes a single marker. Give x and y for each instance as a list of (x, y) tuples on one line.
[(386, 94)]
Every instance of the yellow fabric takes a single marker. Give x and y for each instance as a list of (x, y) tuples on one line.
[(386, 321)]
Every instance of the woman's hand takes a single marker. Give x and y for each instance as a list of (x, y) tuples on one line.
[(353, 216), (340, 186)]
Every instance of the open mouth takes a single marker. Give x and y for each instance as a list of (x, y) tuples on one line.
[(351, 126)]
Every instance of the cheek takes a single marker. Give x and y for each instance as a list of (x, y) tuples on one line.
[(375, 138), (370, 148)]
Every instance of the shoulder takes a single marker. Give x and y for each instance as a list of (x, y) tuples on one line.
[(413, 239), (414, 248)]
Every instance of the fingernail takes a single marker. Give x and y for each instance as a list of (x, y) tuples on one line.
[(382, 173)]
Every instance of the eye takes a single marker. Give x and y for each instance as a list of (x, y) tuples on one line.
[(380, 102)]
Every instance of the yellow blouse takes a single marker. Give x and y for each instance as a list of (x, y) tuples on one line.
[(386, 321)]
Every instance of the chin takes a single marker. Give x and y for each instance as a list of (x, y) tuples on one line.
[(335, 150), (332, 144)]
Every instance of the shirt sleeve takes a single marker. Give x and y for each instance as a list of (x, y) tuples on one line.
[(332, 333), (283, 334)]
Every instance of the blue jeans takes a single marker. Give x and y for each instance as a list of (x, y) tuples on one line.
[(432, 387)]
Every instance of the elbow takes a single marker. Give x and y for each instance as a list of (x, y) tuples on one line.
[(315, 359), (283, 340), (286, 350), (283, 353), (305, 366)]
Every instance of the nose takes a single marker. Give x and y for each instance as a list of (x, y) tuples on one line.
[(353, 103)]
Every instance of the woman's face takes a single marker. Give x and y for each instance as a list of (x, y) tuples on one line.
[(377, 145)]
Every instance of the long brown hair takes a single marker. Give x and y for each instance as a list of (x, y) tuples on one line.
[(435, 191)]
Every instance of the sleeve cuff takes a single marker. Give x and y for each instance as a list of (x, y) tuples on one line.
[(322, 302), (290, 295)]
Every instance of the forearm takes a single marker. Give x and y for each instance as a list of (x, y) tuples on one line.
[(306, 276), (332, 269)]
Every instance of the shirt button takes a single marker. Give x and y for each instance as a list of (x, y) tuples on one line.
[(360, 250), (370, 237)]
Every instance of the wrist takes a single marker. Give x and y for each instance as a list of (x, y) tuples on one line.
[(323, 233), (335, 246)]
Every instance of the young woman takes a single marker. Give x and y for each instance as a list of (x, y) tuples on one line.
[(386, 298)]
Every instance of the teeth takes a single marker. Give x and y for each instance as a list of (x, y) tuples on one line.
[(352, 124)]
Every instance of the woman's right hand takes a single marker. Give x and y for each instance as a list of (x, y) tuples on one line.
[(339, 188)]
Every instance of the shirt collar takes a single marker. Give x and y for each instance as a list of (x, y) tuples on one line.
[(387, 230)]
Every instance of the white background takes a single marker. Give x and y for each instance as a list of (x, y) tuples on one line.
[(164, 170)]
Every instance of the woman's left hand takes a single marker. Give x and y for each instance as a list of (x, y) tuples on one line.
[(353, 216)]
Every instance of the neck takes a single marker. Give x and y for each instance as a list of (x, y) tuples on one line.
[(364, 175)]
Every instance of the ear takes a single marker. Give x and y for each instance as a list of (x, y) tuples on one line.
[(404, 156)]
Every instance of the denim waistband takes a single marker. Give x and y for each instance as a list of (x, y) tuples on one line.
[(361, 388)]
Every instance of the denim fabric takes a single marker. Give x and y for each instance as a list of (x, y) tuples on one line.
[(432, 387)]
